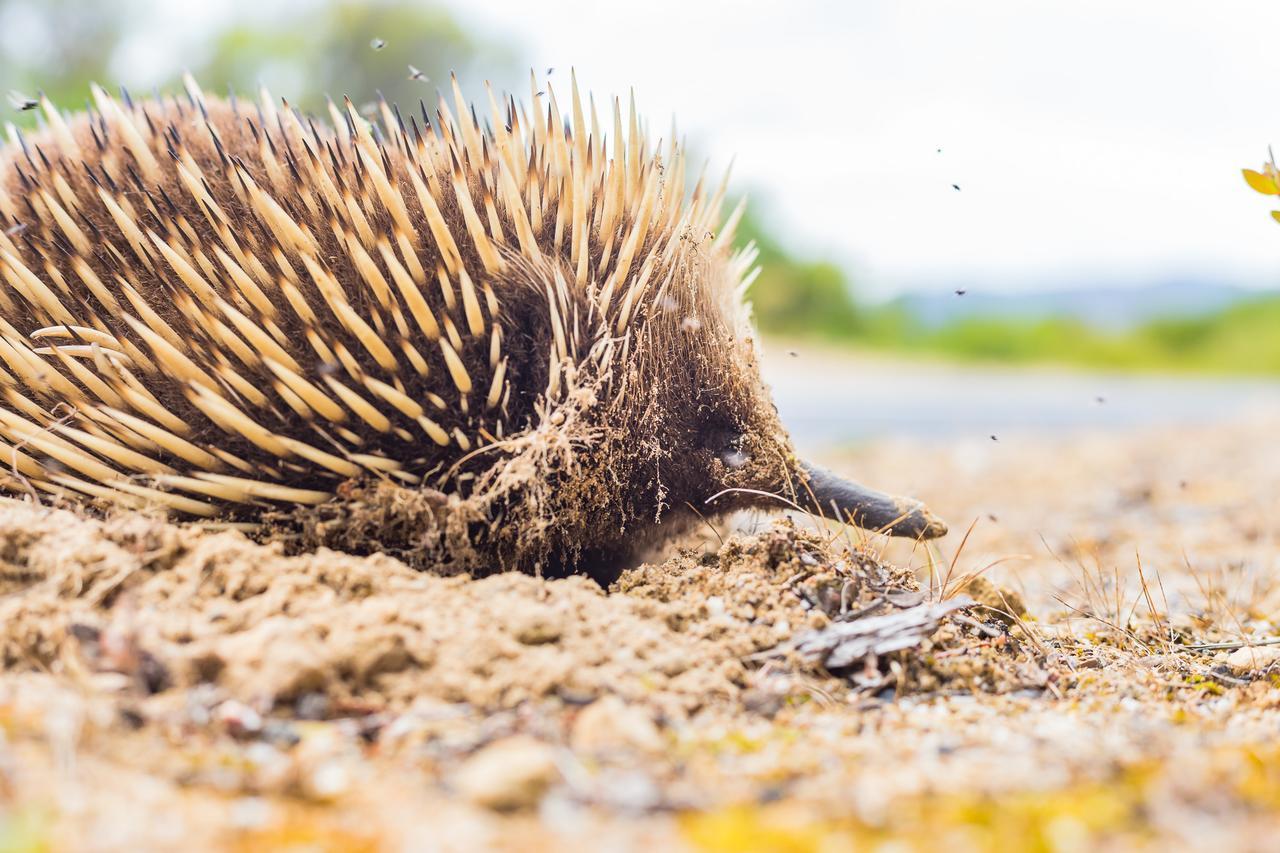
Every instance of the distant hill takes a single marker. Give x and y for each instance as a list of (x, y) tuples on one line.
[(1099, 306)]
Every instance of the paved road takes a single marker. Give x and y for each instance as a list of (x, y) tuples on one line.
[(829, 400)]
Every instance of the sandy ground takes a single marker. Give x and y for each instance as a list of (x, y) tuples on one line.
[(164, 687)]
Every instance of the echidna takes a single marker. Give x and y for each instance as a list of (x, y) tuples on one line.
[(516, 344)]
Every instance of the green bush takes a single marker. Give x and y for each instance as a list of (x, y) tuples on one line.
[(799, 298), (796, 297)]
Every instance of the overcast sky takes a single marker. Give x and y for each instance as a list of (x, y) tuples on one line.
[(1092, 140)]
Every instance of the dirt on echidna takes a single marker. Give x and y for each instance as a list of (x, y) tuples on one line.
[(175, 607)]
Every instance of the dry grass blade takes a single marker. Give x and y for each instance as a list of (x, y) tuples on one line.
[(1112, 625), (946, 580)]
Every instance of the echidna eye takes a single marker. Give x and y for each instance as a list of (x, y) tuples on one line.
[(732, 454)]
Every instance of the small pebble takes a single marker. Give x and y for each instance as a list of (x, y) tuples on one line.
[(508, 775), (1252, 658), (536, 624), (611, 725), (239, 719), (312, 706), (327, 782)]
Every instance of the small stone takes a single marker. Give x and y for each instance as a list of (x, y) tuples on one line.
[(381, 653), (86, 634), (908, 598), (611, 725), (672, 662), (302, 674), (1001, 602), (240, 720), (110, 682), (766, 703), (571, 694), (327, 782), (270, 768), (280, 733), (1253, 658), (1054, 659), (312, 706), (535, 625), (508, 775)]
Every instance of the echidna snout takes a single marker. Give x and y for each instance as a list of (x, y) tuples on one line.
[(868, 508), (512, 344)]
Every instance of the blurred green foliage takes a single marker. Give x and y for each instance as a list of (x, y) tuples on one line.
[(1238, 339), (797, 297), (336, 54), (801, 298), (302, 50), (58, 46)]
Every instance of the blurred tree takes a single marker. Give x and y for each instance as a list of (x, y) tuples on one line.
[(358, 49), (58, 46), (300, 50), (799, 297)]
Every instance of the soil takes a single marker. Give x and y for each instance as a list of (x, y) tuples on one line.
[(1042, 685)]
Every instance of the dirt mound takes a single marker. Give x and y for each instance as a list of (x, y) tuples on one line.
[(171, 606), (180, 607), (218, 666)]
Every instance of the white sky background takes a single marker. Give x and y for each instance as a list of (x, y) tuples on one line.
[(1094, 141)]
